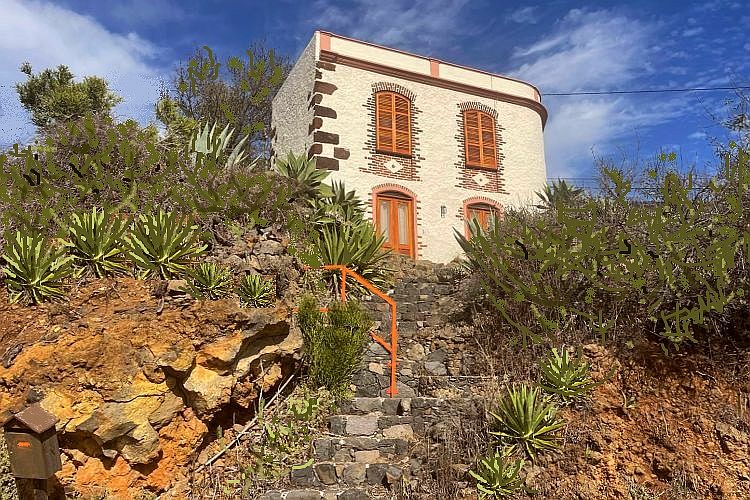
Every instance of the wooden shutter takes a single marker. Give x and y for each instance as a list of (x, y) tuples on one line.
[(393, 112), (479, 138)]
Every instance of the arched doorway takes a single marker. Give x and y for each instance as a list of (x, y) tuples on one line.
[(394, 219), (483, 213)]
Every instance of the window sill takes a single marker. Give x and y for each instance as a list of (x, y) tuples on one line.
[(393, 153), (480, 167)]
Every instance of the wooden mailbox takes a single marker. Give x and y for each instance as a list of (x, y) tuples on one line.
[(32, 443)]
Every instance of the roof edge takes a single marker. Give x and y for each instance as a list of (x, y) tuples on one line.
[(427, 58)]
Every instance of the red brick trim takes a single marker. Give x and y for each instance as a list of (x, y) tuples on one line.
[(417, 222)]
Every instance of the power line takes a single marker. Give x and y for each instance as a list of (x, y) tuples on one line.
[(644, 91)]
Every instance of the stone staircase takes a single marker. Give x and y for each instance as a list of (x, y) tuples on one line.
[(369, 451), (366, 454)]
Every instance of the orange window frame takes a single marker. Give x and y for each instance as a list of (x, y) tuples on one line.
[(484, 140), (410, 248), (392, 123)]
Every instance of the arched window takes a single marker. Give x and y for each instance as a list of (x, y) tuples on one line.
[(394, 219), (479, 138), (393, 127), (483, 213)]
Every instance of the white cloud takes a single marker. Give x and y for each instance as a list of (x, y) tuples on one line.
[(590, 50), (593, 51), (524, 15), (693, 31), (697, 136), (412, 25), (47, 35)]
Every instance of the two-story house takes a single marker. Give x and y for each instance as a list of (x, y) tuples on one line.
[(426, 144)]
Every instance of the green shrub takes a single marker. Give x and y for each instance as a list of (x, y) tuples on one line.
[(498, 474), (565, 376), (34, 270), (95, 240), (660, 260), (357, 247), (334, 342), (529, 419), (254, 291), (210, 281), (163, 244)]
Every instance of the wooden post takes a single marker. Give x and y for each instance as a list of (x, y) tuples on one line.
[(32, 489)]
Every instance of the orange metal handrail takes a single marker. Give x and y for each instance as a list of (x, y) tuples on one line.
[(392, 347)]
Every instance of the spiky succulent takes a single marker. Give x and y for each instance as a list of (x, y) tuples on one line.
[(566, 376), (304, 172), (498, 474), (359, 247), (210, 281), (34, 269), (163, 244), (96, 242), (212, 143), (341, 206), (526, 417), (255, 291)]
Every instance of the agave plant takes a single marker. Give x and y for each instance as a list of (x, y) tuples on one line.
[(302, 170), (161, 243), (96, 242), (358, 247), (498, 474), (254, 291), (559, 192), (529, 419), (211, 142), (34, 269), (568, 377), (210, 281), (341, 206)]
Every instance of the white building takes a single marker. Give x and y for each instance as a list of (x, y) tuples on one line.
[(423, 142)]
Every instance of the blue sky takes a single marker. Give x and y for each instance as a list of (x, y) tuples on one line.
[(557, 45)]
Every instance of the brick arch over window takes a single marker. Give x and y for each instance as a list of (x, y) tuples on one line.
[(392, 190), (394, 87), (464, 106), (482, 201)]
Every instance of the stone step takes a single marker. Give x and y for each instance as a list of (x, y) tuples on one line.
[(360, 449), (387, 406), (387, 426), (328, 494), (323, 474)]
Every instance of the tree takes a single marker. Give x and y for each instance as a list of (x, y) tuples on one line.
[(240, 96), (53, 96)]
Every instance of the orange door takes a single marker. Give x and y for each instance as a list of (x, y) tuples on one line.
[(394, 219)]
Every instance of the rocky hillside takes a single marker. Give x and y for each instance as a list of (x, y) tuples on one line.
[(138, 372)]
